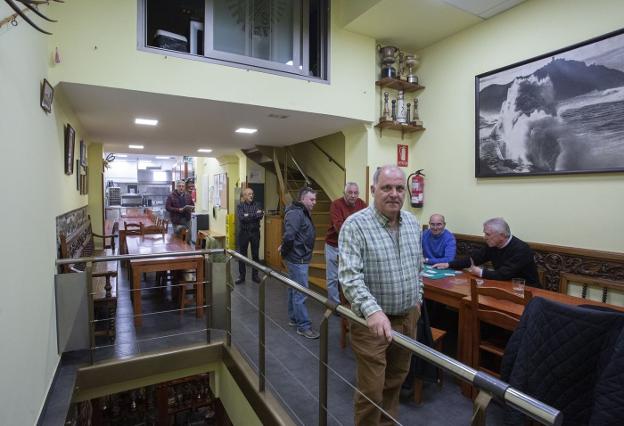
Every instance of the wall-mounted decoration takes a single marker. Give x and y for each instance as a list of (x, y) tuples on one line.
[(47, 96), (70, 142), (558, 113), (402, 155), (78, 175), (83, 153)]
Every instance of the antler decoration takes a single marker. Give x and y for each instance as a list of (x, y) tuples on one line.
[(31, 5)]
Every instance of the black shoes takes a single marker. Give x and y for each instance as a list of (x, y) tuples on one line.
[(239, 280), (255, 278)]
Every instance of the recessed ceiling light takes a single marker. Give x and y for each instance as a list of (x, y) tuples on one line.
[(246, 130), (204, 150), (120, 155), (146, 121), (135, 146), (163, 157)]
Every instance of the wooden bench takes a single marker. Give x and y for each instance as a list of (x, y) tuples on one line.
[(80, 243)]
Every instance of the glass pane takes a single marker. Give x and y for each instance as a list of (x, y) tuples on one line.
[(230, 24), (282, 33)]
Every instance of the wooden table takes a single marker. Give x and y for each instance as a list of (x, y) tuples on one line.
[(455, 292), (145, 220), (157, 243)]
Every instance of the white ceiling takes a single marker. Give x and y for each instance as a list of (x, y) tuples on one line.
[(414, 24), (187, 124)]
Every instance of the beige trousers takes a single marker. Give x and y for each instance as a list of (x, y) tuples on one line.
[(381, 370)]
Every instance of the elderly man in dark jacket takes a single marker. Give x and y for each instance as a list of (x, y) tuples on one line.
[(296, 250)]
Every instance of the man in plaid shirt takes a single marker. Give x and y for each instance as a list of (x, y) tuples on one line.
[(379, 270)]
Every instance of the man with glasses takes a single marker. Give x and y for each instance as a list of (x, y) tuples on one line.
[(339, 211), (438, 243)]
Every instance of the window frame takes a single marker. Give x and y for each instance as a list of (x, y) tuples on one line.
[(300, 44)]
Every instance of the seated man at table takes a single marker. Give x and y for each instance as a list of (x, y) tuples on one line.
[(438, 243), (510, 256)]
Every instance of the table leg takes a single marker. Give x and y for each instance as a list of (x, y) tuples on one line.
[(464, 348), (136, 296)]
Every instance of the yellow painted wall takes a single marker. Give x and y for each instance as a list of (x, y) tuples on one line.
[(98, 45), (316, 165), (36, 191), (96, 188), (237, 407), (580, 211)]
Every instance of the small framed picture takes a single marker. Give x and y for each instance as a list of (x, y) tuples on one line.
[(70, 143), (83, 153), (47, 96)]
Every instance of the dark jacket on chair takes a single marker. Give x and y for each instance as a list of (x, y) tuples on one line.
[(571, 358)]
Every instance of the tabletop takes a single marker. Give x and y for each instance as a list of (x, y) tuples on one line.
[(155, 243)]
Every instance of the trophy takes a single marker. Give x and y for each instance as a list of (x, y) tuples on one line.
[(412, 62), (385, 114), (400, 113), (407, 116), (394, 110), (416, 120), (388, 56), (401, 67)]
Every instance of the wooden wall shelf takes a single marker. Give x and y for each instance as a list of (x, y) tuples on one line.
[(396, 84), (404, 128)]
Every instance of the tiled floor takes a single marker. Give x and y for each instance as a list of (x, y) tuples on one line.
[(292, 361)]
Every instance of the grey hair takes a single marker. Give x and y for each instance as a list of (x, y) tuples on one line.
[(348, 184), (382, 168), (499, 225), (180, 182)]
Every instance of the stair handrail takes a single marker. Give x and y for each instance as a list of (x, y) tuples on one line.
[(280, 180), (329, 157), (292, 156)]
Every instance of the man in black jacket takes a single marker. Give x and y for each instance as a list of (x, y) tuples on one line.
[(296, 249), (510, 256), (249, 215)]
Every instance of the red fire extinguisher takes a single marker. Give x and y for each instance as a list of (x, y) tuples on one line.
[(417, 188)]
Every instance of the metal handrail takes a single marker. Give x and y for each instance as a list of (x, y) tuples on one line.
[(329, 157), (292, 157), (503, 391), (520, 401)]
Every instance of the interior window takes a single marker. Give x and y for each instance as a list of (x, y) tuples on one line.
[(283, 35)]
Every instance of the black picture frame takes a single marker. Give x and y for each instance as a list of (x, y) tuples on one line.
[(70, 143), (558, 113), (83, 153), (47, 96)]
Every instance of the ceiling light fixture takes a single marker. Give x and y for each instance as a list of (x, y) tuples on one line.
[(135, 146), (163, 157), (246, 130), (204, 150), (121, 155), (146, 121)]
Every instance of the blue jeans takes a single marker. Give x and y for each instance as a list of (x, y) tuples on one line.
[(331, 258), (297, 311)]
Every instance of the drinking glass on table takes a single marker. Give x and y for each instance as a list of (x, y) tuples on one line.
[(517, 284)]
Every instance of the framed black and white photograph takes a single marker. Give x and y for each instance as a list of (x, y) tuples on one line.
[(83, 153), (47, 96), (559, 113), (70, 143)]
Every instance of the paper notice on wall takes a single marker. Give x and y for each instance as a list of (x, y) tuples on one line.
[(205, 192)]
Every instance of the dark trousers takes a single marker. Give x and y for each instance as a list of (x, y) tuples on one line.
[(244, 239)]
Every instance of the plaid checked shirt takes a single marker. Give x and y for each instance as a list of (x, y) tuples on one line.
[(374, 271)]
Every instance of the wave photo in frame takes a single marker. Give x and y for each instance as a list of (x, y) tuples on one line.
[(558, 113)]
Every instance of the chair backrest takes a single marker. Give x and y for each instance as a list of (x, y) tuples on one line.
[(133, 228), (183, 233), (496, 316), (596, 289)]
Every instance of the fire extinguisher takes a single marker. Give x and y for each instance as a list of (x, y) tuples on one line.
[(417, 188)]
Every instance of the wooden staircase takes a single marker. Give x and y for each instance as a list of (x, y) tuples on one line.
[(293, 181)]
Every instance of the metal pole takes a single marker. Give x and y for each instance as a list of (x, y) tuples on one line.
[(208, 296), (228, 302), (90, 310), (262, 334), (323, 358)]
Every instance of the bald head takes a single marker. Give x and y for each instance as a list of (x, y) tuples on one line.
[(437, 224)]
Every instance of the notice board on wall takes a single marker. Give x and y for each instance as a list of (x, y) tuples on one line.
[(219, 184)]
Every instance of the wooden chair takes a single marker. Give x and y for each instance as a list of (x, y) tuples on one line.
[(133, 228), (596, 289), (495, 345)]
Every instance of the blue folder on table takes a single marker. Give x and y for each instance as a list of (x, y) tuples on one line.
[(436, 274)]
